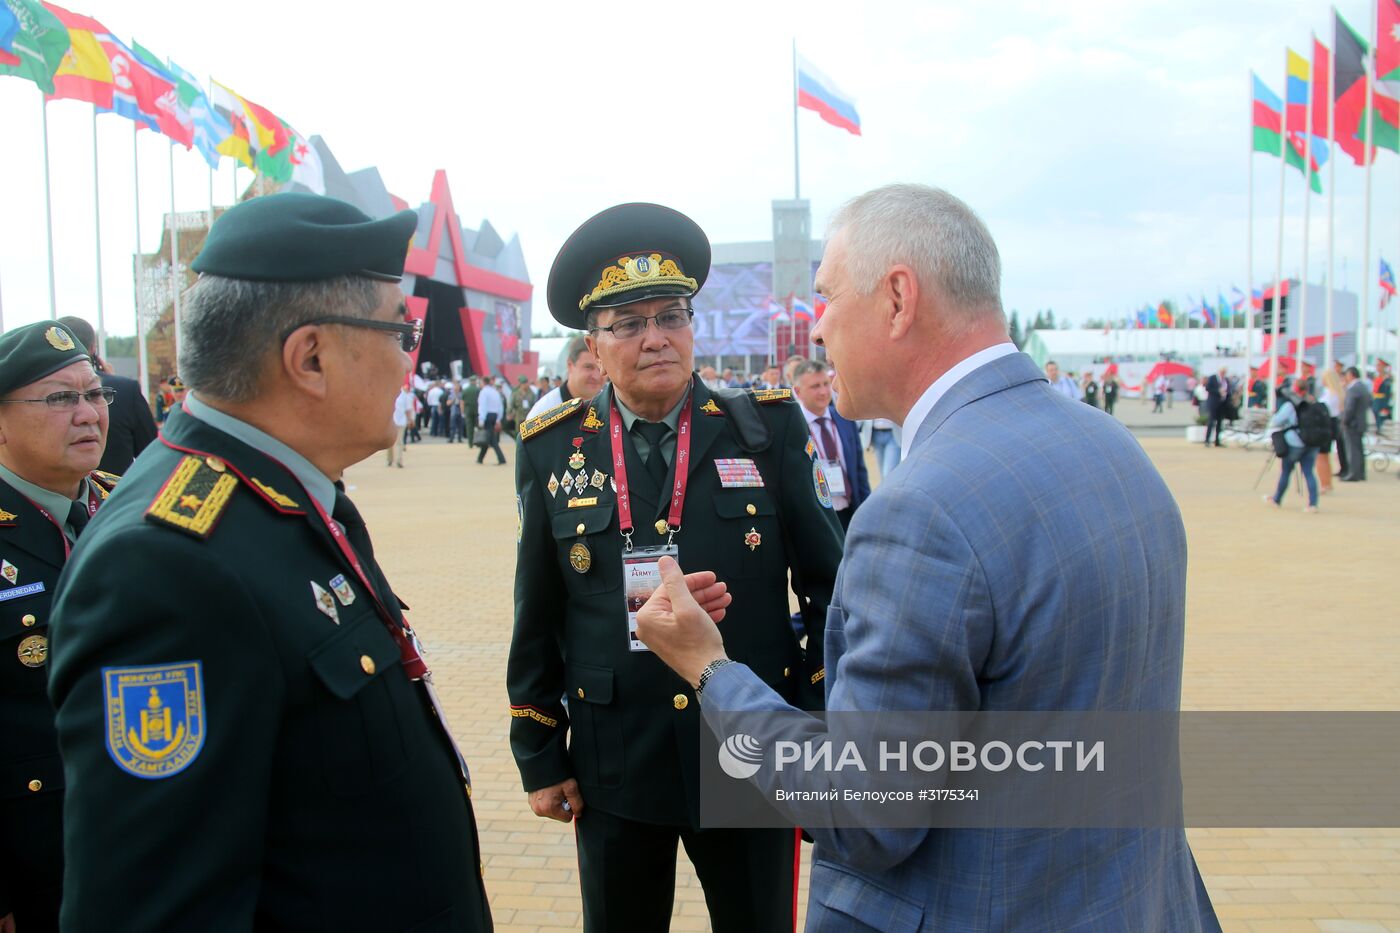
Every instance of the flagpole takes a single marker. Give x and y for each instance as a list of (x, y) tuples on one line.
[(1278, 250), (796, 173), (1331, 195), (143, 362), (1301, 330), (97, 230), (174, 261), (1368, 270), (1249, 252), (48, 207)]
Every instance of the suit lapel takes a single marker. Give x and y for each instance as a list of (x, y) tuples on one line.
[(1002, 373)]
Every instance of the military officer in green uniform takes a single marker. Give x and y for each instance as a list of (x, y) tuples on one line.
[(247, 722), (655, 463), (53, 428)]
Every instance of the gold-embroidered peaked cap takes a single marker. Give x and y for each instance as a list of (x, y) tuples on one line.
[(627, 253)]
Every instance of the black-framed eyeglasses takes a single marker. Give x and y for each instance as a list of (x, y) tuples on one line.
[(410, 332), (68, 400), (630, 328)]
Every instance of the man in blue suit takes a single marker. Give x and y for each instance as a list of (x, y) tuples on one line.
[(983, 575), (836, 439)]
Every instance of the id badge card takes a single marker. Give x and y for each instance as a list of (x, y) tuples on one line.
[(641, 575), (835, 480)]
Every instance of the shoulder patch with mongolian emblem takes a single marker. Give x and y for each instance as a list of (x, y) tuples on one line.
[(591, 423), (710, 408), (194, 496), (548, 419), (155, 717), (768, 396)]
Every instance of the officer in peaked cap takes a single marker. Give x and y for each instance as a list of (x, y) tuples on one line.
[(53, 427), (252, 734), (729, 480)]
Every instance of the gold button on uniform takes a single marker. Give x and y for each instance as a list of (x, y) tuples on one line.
[(751, 509), (580, 693), (367, 664), (36, 785), (681, 701), (661, 527), (787, 672), (215, 464), (28, 620), (580, 528)]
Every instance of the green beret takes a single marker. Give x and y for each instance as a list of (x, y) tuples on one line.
[(298, 237), (627, 253), (31, 352)]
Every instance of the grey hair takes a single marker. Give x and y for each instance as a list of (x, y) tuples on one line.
[(932, 232), (807, 367), (228, 327)]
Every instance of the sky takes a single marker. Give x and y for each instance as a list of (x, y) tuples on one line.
[(1104, 144)]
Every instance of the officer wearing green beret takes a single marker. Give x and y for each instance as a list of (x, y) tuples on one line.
[(656, 463), (250, 733), (53, 428)]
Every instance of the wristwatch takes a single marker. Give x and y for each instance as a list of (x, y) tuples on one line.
[(710, 668)]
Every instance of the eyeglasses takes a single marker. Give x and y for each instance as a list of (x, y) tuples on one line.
[(632, 327), (410, 332), (67, 401)]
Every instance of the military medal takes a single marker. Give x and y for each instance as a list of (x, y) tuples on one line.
[(753, 539), (324, 602), (552, 485), (34, 651), (598, 478), (9, 571), (580, 558), (341, 587), (567, 481), (576, 459)]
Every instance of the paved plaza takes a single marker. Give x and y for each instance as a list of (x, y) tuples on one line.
[(1266, 630)]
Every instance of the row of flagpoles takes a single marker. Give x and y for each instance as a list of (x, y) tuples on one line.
[(69, 56), (1348, 95)]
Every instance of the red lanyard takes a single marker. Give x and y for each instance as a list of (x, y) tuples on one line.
[(92, 510), (413, 662), (624, 501)]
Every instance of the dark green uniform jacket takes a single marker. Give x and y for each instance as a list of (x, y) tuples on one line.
[(634, 723), (33, 550), (236, 758)]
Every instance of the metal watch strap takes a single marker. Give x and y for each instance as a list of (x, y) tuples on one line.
[(710, 668)]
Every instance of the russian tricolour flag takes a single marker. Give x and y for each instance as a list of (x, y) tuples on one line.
[(816, 91)]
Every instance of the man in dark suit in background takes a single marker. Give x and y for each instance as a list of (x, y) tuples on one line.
[(836, 438), (130, 424), (1356, 403), (1217, 395)]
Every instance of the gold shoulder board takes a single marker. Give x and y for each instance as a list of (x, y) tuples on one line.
[(767, 396), (549, 418), (194, 496)]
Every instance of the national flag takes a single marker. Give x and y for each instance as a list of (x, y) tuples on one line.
[(267, 134), (1296, 121), (818, 306), (815, 91), (1388, 41), (239, 143), (1322, 87), (1164, 315), (298, 162), (140, 93), (37, 42), (171, 113), (1238, 303), (776, 311), (1353, 63), (1387, 283), (9, 28), (210, 128), (1268, 130), (84, 74), (1140, 320), (800, 309)]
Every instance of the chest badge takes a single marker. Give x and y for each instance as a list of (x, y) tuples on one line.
[(342, 589), (580, 558), (33, 651), (324, 602), (753, 539), (9, 571), (552, 485)]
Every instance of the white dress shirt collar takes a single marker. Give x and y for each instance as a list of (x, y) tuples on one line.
[(940, 387)]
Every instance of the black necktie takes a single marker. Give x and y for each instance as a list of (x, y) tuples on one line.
[(78, 516), (358, 536), (653, 433)]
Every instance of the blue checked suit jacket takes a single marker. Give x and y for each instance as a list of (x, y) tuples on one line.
[(1026, 556)]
